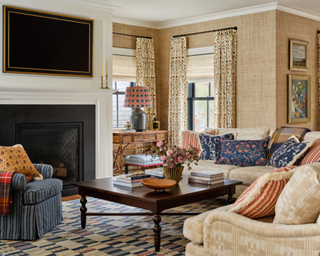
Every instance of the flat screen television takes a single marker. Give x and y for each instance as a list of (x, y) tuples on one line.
[(43, 43)]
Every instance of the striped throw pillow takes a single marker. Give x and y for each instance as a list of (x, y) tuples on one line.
[(210, 131), (313, 154), (190, 137), (259, 200)]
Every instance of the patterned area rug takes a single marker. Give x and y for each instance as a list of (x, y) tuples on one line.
[(115, 235)]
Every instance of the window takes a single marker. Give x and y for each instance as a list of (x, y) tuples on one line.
[(200, 105), (120, 114)]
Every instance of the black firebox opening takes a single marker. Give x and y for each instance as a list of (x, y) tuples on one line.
[(57, 144)]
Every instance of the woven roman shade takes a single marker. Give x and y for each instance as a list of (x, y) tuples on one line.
[(124, 68), (200, 68)]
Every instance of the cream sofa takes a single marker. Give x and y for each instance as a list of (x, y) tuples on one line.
[(245, 174)]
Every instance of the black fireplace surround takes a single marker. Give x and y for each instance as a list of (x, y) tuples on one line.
[(60, 135)]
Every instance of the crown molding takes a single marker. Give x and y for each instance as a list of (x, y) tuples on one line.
[(96, 5), (298, 12), (133, 22), (220, 15)]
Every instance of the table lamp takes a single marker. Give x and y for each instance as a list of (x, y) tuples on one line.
[(138, 97)]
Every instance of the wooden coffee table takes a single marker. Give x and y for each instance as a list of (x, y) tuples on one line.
[(145, 198)]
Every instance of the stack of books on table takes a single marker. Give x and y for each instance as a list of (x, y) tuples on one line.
[(131, 180), (206, 177), (156, 172)]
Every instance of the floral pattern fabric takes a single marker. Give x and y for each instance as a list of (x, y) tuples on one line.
[(177, 116), (225, 78), (289, 152), (211, 146), (244, 152), (145, 73)]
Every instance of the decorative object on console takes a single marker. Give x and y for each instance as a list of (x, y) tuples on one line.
[(45, 52), (289, 152), (299, 202), (15, 159), (260, 198), (298, 55), (128, 125), (299, 99), (174, 158), (211, 145), (244, 152), (155, 124), (138, 97)]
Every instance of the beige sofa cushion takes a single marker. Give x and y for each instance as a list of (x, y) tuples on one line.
[(248, 174), (311, 136), (257, 133), (299, 202)]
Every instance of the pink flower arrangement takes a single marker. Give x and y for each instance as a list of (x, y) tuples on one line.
[(174, 156)]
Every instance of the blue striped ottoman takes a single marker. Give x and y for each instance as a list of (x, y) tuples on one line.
[(142, 161)]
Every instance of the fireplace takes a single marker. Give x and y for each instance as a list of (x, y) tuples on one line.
[(57, 144), (60, 135)]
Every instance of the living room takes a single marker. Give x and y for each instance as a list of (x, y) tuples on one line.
[(84, 106)]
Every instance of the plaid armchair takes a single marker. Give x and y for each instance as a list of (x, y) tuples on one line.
[(37, 206)]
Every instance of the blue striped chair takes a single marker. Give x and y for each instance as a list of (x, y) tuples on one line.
[(37, 206)]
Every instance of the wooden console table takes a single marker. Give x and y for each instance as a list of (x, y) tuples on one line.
[(124, 139)]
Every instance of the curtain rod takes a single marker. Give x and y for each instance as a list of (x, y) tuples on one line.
[(235, 28), (131, 35)]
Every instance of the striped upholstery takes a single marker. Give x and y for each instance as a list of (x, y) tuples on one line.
[(259, 200), (190, 137), (30, 222), (210, 131), (38, 191), (37, 219), (45, 170), (313, 155)]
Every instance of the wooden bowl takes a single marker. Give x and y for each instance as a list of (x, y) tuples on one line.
[(158, 184)]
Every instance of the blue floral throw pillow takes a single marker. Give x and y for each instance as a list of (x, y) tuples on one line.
[(244, 152), (289, 153), (210, 145)]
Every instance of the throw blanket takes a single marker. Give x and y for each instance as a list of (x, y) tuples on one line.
[(5, 192), (282, 134)]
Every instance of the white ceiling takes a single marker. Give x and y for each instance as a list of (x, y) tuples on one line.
[(164, 11)]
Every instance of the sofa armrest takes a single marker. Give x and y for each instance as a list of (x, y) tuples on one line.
[(19, 182), (45, 170), (222, 219)]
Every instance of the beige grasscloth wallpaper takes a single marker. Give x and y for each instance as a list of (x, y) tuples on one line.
[(263, 40)]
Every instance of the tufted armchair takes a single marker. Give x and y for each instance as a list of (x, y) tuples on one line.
[(37, 206)]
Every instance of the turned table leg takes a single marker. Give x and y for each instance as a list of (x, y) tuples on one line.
[(83, 210), (157, 229)]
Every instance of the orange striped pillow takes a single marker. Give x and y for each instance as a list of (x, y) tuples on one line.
[(313, 154), (190, 137), (259, 200), (210, 131)]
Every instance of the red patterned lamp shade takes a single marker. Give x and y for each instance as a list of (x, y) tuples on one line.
[(137, 97)]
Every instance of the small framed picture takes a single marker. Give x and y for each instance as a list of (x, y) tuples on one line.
[(299, 99), (298, 55)]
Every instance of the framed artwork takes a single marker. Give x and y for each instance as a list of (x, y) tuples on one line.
[(298, 55), (299, 99)]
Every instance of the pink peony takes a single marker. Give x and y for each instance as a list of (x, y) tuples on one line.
[(160, 149), (162, 158), (188, 154), (180, 160), (169, 152), (159, 143)]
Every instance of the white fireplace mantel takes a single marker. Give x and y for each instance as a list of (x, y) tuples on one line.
[(101, 98)]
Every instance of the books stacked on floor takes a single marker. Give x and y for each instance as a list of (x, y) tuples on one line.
[(131, 180), (156, 172), (206, 177)]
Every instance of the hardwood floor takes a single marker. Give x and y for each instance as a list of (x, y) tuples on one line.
[(69, 198)]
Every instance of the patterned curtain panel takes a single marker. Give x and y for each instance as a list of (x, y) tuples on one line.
[(319, 74), (177, 116), (145, 73), (225, 78)]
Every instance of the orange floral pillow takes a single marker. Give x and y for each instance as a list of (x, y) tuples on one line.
[(15, 159)]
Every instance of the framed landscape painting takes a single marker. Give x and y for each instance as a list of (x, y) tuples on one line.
[(298, 55), (299, 99)]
